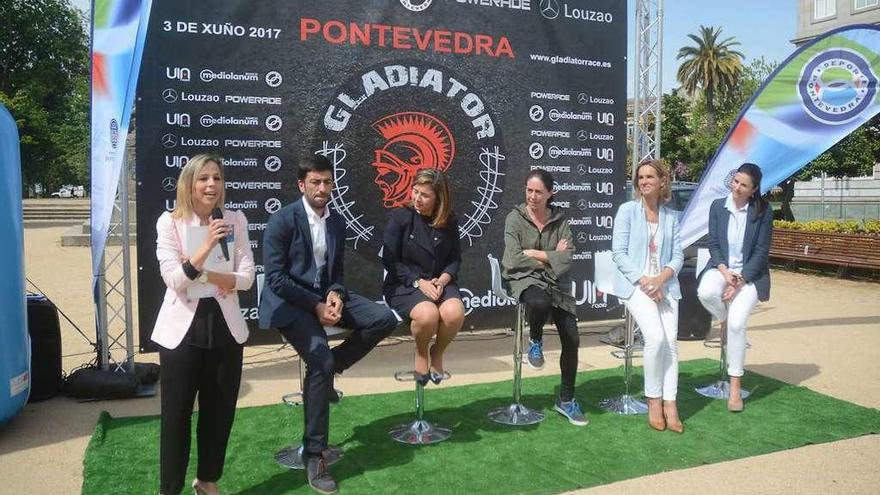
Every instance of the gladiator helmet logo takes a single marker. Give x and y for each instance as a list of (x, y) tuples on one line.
[(413, 141)]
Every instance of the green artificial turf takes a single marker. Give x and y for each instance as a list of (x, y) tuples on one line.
[(485, 457)]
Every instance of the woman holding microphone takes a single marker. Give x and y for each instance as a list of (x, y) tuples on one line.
[(200, 329), (647, 251), (738, 274)]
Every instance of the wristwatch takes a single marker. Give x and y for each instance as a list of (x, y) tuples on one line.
[(416, 283), (203, 277)]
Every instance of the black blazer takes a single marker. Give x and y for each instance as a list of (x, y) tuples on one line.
[(412, 250), (290, 268), (756, 244)]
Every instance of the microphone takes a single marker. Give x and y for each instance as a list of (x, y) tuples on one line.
[(217, 214)]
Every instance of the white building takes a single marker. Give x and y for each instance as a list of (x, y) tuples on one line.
[(815, 17)]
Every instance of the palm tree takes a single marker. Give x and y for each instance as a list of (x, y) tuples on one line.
[(711, 66)]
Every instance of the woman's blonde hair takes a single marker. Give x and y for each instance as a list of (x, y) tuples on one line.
[(440, 185), (184, 206), (662, 170)]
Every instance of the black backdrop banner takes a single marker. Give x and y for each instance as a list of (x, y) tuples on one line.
[(485, 90)]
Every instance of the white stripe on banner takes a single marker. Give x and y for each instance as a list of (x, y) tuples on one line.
[(819, 95)]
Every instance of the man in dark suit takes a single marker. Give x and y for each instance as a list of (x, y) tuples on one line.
[(303, 251)]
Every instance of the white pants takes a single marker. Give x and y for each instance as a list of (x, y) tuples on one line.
[(659, 325), (736, 312)]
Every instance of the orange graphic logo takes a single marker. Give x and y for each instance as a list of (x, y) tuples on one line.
[(413, 141)]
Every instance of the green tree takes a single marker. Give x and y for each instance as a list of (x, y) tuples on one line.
[(704, 141), (44, 61), (675, 134), (852, 156), (712, 67)]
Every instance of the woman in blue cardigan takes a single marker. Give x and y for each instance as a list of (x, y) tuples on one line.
[(738, 274), (647, 251)]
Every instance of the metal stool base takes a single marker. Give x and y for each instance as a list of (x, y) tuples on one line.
[(294, 399), (516, 415), (625, 404), (719, 390), (290, 457), (420, 432)]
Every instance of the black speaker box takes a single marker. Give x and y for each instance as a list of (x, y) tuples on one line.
[(45, 332), (694, 322)]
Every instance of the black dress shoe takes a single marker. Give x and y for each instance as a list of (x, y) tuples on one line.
[(436, 377), (319, 478), (420, 378), (333, 396)]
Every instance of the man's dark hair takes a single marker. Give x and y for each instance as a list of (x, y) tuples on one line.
[(312, 163)]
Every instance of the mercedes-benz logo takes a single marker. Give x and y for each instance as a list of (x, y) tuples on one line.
[(582, 169), (582, 135), (550, 9), (582, 204), (583, 98), (582, 237), (169, 140), (169, 95), (272, 205), (169, 184)]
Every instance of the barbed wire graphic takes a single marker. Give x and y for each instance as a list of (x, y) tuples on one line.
[(337, 155), (473, 227)]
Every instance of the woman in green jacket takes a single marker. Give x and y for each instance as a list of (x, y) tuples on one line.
[(537, 258)]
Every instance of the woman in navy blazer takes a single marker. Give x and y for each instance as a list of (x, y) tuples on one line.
[(647, 251), (422, 254), (200, 338), (738, 274)]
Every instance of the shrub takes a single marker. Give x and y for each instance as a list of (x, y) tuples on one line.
[(871, 227)]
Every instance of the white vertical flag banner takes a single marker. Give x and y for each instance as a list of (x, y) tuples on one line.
[(118, 32), (820, 94)]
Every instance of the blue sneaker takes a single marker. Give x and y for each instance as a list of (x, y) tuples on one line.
[(572, 411), (536, 354)]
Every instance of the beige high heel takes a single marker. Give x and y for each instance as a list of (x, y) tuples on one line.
[(673, 421), (655, 414)]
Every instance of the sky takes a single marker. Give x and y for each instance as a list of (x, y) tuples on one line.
[(763, 28)]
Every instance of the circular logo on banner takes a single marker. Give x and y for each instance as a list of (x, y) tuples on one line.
[(728, 179), (169, 95), (536, 113), (272, 205), (169, 184), (416, 5), (391, 120), (169, 140), (274, 79), (836, 86), (549, 9), (272, 163)]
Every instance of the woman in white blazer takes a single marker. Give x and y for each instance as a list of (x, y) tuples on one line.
[(200, 329), (647, 251)]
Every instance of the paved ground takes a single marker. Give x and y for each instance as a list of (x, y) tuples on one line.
[(819, 332)]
